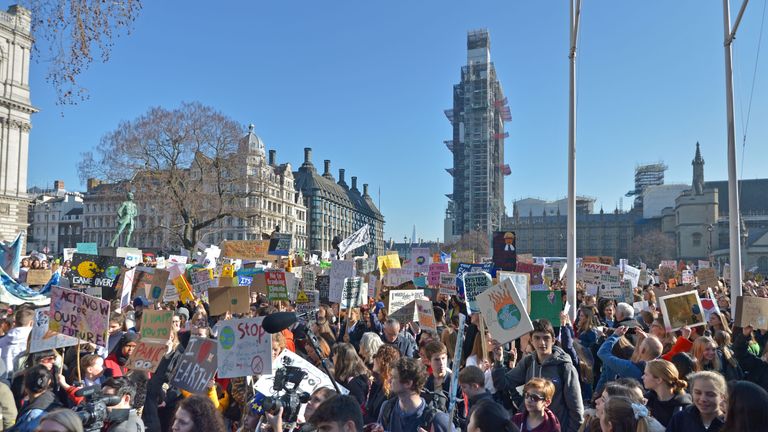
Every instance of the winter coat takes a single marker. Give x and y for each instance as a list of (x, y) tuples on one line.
[(11, 345), (664, 410), (550, 423), (755, 368), (406, 344), (7, 407), (689, 420), (614, 366), (30, 414), (566, 403), (375, 400), (130, 423)]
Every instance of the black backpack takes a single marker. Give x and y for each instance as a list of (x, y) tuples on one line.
[(425, 421)]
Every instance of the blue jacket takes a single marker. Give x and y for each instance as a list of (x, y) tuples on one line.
[(614, 366)]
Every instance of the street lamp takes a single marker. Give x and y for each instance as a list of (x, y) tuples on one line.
[(744, 237), (710, 228), (47, 216)]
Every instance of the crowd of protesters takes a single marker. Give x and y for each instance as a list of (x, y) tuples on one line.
[(614, 369)]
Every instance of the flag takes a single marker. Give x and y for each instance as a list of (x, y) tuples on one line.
[(10, 256), (359, 238), (14, 293)]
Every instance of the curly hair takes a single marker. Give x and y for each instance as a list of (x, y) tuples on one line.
[(206, 417), (386, 356), (409, 369)]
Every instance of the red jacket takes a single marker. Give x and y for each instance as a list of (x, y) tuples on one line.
[(111, 363)]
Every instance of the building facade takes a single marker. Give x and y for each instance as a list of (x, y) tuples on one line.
[(15, 113), (272, 203), (645, 176), (55, 219), (478, 115), (336, 209)]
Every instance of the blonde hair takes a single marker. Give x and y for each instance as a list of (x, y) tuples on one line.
[(668, 373), (619, 412), (717, 380), (699, 345), (543, 385)]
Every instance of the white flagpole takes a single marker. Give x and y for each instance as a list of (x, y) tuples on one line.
[(571, 226)]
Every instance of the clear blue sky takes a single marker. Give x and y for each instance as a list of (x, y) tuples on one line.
[(365, 85)]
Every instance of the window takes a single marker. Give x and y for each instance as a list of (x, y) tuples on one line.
[(696, 237)]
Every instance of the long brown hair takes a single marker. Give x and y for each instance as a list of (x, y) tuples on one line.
[(387, 356), (698, 352), (347, 364), (667, 372)]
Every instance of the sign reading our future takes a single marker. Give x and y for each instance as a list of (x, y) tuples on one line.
[(79, 315)]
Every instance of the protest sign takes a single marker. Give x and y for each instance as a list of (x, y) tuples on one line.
[(94, 270), (632, 274), (546, 305), (340, 270), (466, 268), (277, 288), (433, 276), (125, 286), (536, 282), (42, 339), (254, 250), (147, 355), (641, 306), (426, 315), (245, 348), (681, 310), (504, 312), (703, 264), (388, 262), (291, 285), (707, 278), (131, 256), (611, 293), (660, 292), (158, 284), (87, 248), (353, 294), (420, 281), (233, 299), (68, 253), (156, 325), (520, 282), (399, 298), (196, 366), (687, 276), (307, 301), (709, 305), (420, 257), (308, 276), (201, 281), (398, 276), (177, 259), (323, 286), (504, 250), (406, 314), (280, 244), (447, 284), (373, 287), (668, 264), (474, 284), (183, 289), (314, 380), (752, 311), (38, 276), (79, 315)]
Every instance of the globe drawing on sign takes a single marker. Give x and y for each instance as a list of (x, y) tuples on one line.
[(507, 312), (421, 260), (227, 338), (112, 272)]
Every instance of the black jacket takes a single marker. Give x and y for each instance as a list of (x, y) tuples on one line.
[(689, 420), (664, 410), (375, 400), (126, 420), (755, 369)]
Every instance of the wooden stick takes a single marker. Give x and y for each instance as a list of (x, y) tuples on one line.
[(79, 378)]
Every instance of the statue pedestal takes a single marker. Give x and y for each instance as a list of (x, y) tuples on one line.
[(108, 251)]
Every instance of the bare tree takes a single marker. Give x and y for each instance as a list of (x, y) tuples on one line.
[(76, 32), (183, 161), (652, 247), (475, 240)]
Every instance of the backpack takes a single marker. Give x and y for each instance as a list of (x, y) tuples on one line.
[(425, 421)]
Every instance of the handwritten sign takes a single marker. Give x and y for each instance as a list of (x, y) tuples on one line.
[(79, 315), (94, 270), (233, 299), (147, 355), (433, 277), (426, 315), (353, 295), (474, 284), (323, 286), (42, 339), (307, 301), (340, 270), (504, 312), (156, 325), (253, 250), (308, 276), (277, 288), (196, 366), (245, 348), (448, 284), (752, 311), (400, 298), (38, 276)]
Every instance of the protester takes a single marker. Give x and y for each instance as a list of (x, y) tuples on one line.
[(60, 420), (39, 399), (122, 416), (472, 383), (620, 414), (746, 410), (536, 417), (338, 414), (404, 342), (369, 346), (488, 416), (197, 413), (15, 341), (350, 371), (709, 393), (666, 391), (116, 363), (381, 386)]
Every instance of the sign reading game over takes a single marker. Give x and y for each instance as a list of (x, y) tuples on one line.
[(79, 315), (245, 348), (95, 270)]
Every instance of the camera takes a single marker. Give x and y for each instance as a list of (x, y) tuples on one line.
[(287, 380), (93, 412)]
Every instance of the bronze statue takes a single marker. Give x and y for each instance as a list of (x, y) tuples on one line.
[(126, 214)]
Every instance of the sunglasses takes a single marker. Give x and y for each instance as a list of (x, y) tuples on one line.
[(534, 397)]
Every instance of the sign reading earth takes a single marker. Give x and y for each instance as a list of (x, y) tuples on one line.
[(509, 316)]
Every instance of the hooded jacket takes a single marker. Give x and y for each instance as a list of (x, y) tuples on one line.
[(30, 414), (117, 361), (550, 423), (558, 368), (664, 410), (12, 344)]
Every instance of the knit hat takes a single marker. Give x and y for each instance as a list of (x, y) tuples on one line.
[(379, 306), (182, 311)]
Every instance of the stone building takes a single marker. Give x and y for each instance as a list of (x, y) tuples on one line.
[(336, 209), (55, 219), (15, 112)]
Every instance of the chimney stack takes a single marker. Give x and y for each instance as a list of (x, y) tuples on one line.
[(327, 164), (272, 155), (342, 182), (307, 155), (354, 183), (365, 189)]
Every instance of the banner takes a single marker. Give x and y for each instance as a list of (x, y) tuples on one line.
[(474, 284), (359, 238), (245, 348), (504, 312), (340, 270), (79, 315), (10, 256), (353, 294), (41, 339), (504, 250), (196, 366), (277, 288)]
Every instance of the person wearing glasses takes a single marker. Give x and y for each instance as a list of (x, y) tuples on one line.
[(536, 416)]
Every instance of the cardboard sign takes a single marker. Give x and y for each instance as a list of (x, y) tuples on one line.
[(253, 250), (280, 244), (147, 355), (68, 253), (709, 305), (707, 278), (232, 299), (156, 325), (504, 312), (36, 277), (306, 302), (353, 295), (42, 339), (520, 281), (426, 315), (388, 262), (474, 284), (681, 310), (340, 270), (79, 315), (87, 248), (314, 380), (323, 286), (420, 257), (400, 298), (94, 270), (258, 283), (752, 311), (245, 348), (433, 277), (406, 314), (670, 291), (277, 287), (546, 305), (447, 284), (196, 366), (504, 250)]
